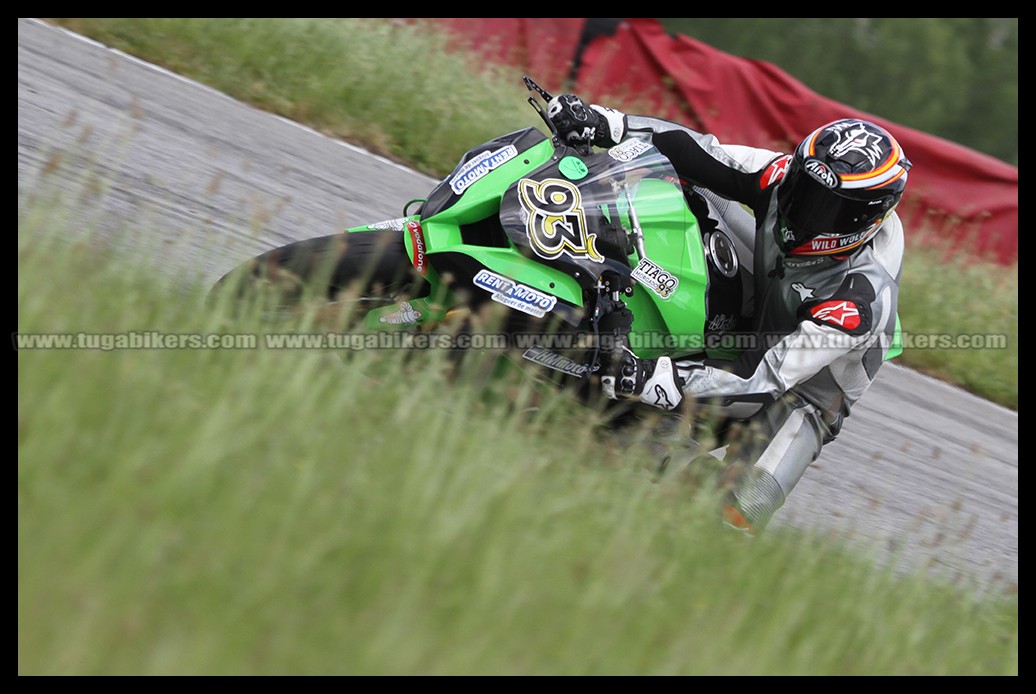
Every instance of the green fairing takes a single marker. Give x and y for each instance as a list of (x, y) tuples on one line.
[(672, 240)]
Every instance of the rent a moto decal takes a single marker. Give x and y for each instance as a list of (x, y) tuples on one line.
[(842, 314), (515, 295), (556, 222), (420, 260), (479, 166), (655, 278)]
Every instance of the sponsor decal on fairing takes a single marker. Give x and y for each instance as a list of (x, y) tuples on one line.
[(514, 294), (654, 277), (389, 224), (556, 222), (406, 315), (628, 150), (420, 260), (479, 166)]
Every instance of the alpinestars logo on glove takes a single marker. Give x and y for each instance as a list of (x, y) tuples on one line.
[(662, 398)]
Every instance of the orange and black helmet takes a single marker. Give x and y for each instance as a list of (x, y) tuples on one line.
[(843, 181)]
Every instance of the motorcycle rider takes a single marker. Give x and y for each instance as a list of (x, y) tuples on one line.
[(825, 253)]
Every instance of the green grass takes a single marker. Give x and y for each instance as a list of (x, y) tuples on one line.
[(259, 512), (946, 295), (386, 86)]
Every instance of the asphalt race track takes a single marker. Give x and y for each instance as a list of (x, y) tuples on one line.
[(923, 474)]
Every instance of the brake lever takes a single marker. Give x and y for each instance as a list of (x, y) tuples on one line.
[(585, 149), (533, 87)]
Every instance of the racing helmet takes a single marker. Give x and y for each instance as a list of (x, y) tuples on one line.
[(843, 181)]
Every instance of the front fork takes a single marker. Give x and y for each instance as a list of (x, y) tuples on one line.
[(610, 320)]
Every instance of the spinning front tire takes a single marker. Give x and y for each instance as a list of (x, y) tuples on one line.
[(344, 274)]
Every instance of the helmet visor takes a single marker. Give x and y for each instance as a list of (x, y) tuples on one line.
[(812, 209)]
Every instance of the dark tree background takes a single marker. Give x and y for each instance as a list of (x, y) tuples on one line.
[(952, 77)]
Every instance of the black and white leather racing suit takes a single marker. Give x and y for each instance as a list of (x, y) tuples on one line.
[(823, 323)]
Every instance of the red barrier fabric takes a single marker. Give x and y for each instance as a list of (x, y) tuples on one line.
[(968, 198), (963, 196)]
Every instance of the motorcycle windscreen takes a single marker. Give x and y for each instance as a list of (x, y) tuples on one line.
[(574, 210), (574, 213)]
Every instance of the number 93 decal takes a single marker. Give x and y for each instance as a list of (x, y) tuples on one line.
[(556, 224)]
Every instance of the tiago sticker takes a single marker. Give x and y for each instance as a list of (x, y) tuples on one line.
[(655, 278)]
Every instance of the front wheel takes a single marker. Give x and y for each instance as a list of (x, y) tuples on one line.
[(348, 273)]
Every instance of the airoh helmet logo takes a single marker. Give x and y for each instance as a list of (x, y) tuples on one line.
[(821, 172)]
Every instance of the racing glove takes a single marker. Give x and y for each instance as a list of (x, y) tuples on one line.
[(654, 381), (577, 123)]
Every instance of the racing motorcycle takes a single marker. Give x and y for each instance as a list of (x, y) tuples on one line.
[(585, 253)]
